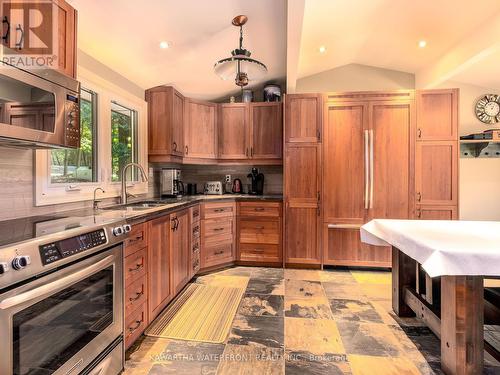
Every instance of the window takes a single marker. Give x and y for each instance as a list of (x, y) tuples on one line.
[(123, 141), (79, 165)]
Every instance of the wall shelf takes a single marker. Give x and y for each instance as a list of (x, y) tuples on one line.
[(473, 148)]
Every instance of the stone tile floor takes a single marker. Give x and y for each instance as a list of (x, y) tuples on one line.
[(302, 322)]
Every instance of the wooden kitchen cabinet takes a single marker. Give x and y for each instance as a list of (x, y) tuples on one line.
[(179, 250), (437, 115), (302, 234), (195, 239), (67, 36), (165, 124), (266, 131), (436, 213), (259, 232), (303, 118), (436, 173), (159, 271), (200, 131), (234, 130)]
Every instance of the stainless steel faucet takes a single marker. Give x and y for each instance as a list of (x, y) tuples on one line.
[(96, 201), (144, 178)]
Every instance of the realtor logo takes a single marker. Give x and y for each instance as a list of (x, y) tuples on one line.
[(28, 32)]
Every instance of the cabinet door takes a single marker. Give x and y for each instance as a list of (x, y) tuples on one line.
[(233, 131), (159, 286), (200, 133), (436, 173), (436, 213), (345, 182), (343, 247), (437, 115), (266, 130), (66, 23), (303, 117), (302, 233), (177, 124), (303, 173), (179, 250), (391, 151)]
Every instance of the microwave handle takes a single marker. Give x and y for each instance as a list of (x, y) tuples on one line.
[(55, 286)]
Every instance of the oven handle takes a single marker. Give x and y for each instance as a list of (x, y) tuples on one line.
[(55, 286)]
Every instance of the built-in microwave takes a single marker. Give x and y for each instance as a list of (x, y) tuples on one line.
[(38, 109)]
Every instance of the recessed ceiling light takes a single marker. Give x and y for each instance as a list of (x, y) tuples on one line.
[(422, 43), (164, 45), (322, 49)]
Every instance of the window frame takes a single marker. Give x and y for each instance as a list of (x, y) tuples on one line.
[(47, 193)]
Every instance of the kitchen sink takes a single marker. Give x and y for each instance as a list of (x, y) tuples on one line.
[(143, 205)]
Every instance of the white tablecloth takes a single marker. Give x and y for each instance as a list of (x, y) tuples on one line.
[(442, 247)]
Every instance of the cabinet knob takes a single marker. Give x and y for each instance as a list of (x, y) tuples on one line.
[(174, 146)]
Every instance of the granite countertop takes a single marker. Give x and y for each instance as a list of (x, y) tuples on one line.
[(30, 228)]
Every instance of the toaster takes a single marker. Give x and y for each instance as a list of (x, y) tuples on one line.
[(214, 188)]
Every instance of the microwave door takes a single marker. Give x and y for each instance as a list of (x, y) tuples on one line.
[(32, 110)]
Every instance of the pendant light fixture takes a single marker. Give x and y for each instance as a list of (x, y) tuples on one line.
[(240, 65)]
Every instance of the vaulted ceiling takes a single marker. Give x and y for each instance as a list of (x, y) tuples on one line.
[(125, 35)]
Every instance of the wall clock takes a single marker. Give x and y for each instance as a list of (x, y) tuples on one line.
[(488, 109)]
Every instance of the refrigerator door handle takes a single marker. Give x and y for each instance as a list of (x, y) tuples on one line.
[(367, 168), (372, 136)]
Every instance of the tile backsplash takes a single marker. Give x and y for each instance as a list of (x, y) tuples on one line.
[(199, 174)]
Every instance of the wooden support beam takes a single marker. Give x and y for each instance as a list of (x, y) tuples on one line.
[(462, 314), (404, 274), (423, 310)]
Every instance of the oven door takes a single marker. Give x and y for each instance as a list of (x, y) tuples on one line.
[(60, 323), (36, 112)]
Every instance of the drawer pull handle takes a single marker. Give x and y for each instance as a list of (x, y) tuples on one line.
[(137, 296), (258, 250), (137, 325), (218, 229), (219, 209), (137, 267), (219, 252), (260, 227), (259, 209), (138, 237)]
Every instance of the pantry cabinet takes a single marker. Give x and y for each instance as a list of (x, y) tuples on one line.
[(303, 116)]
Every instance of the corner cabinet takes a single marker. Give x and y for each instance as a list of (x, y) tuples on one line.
[(165, 124)]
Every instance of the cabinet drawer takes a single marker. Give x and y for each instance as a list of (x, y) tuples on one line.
[(135, 294), (260, 252), (136, 266), (218, 253), (260, 231), (195, 230), (135, 324), (264, 209), (195, 214), (136, 239), (215, 210), (217, 227)]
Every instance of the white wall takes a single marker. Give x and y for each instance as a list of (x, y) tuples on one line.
[(356, 77), (479, 178)]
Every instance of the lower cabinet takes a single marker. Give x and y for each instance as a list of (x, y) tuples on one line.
[(436, 213), (259, 232), (217, 233), (302, 234), (179, 250), (195, 241), (159, 280)]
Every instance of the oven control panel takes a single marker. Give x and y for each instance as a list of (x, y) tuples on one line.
[(54, 251)]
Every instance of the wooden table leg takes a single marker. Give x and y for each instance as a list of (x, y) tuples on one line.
[(462, 314), (404, 274)]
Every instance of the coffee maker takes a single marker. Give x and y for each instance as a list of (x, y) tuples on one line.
[(171, 183), (257, 186)]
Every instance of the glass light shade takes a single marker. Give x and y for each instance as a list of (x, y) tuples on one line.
[(228, 68)]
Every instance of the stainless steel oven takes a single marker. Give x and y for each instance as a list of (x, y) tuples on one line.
[(38, 109), (65, 320)]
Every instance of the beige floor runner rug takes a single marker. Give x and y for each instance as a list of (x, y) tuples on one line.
[(201, 313)]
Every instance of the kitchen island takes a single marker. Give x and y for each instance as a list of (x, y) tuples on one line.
[(460, 253)]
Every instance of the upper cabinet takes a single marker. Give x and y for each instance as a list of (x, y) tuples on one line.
[(64, 23), (266, 131), (166, 124), (185, 130), (200, 130), (251, 131), (234, 131), (303, 118), (437, 115)]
